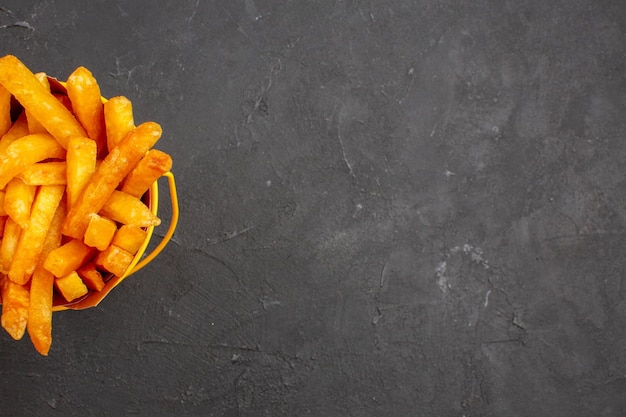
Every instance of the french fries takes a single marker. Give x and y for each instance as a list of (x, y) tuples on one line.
[(129, 237), (17, 130), (81, 165), (33, 237), (24, 152), (84, 94), (152, 166), (71, 286), (91, 276), (117, 164), (114, 259), (45, 173), (15, 303), (33, 124), (12, 232), (100, 232), (74, 169), (39, 325), (18, 199), (126, 209), (38, 101), (119, 119)]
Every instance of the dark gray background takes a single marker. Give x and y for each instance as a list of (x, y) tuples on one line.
[(388, 208)]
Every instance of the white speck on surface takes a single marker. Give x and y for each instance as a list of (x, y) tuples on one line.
[(442, 279), (268, 183), (448, 173), (475, 253), (487, 298)]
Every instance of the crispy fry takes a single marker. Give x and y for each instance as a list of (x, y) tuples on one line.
[(33, 124), (39, 324), (44, 173), (91, 276), (152, 166), (18, 200), (11, 236), (71, 286), (129, 237), (68, 257), (100, 232), (26, 151), (119, 119), (32, 239), (117, 164), (115, 260), (15, 300), (5, 110), (81, 165), (27, 89), (84, 93), (17, 130), (126, 209)]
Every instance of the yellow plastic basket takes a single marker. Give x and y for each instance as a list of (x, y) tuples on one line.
[(151, 198), (93, 298)]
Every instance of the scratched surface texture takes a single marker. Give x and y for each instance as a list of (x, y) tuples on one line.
[(389, 208)]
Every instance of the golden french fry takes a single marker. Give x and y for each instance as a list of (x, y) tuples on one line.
[(17, 130), (100, 232), (119, 119), (151, 167), (15, 300), (18, 200), (84, 93), (44, 173), (71, 286), (8, 245), (33, 124), (31, 240), (5, 110), (26, 151), (115, 260), (91, 276), (117, 164), (39, 102), (129, 237), (81, 165), (126, 209), (68, 257), (39, 324)]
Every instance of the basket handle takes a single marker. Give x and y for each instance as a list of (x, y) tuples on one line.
[(170, 231)]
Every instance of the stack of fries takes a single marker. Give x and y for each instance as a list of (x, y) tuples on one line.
[(73, 171)]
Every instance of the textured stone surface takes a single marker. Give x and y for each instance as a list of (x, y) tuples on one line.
[(399, 208)]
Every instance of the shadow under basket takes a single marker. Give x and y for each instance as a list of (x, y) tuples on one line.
[(151, 198)]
